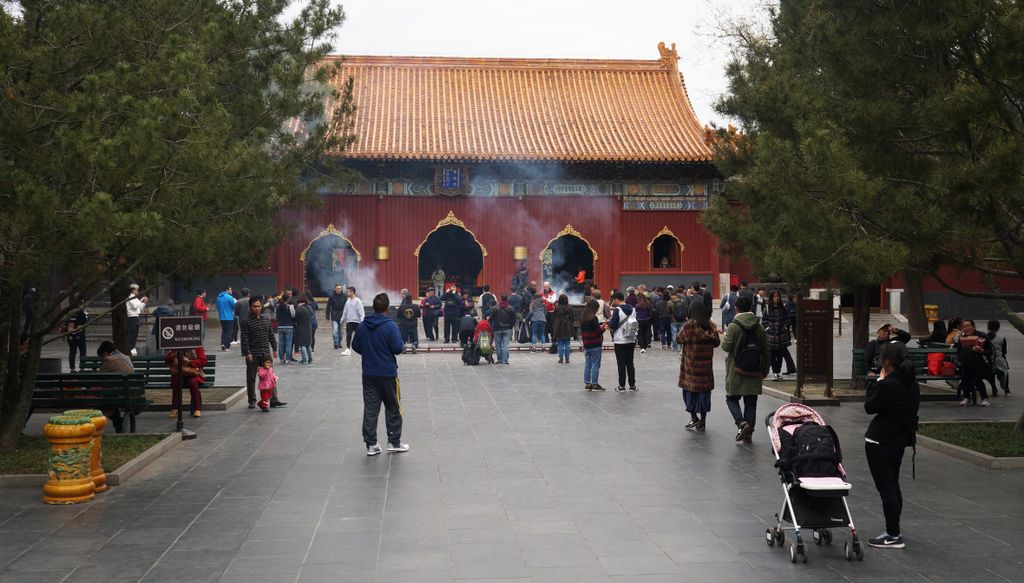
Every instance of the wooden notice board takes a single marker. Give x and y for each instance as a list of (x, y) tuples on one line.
[(813, 344)]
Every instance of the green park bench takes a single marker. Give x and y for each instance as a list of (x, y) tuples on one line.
[(918, 356), (124, 394), (155, 370)]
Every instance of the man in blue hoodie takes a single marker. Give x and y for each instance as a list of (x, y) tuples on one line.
[(226, 313), (378, 340)]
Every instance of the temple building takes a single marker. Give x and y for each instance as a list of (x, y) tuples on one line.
[(476, 165)]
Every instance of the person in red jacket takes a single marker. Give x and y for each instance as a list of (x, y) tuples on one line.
[(483, 328), (199, 308), (192, 363)]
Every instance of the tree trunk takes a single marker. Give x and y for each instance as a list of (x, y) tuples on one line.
[(119, 317), (861, 316), (913, 303), (17, 388), (1020, 422)]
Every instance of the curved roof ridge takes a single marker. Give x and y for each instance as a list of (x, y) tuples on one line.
[(484, 109)]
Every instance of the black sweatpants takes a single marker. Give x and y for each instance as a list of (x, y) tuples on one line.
[(133, 332), (644, 334), (624, 361), (451, 329), (377, 390), (350, 329), (884, 462), (430, 327)]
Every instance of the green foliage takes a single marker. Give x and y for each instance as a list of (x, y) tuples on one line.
[(154, 138), (876, 137)]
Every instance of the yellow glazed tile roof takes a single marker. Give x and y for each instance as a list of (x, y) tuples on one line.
[(469, 109)]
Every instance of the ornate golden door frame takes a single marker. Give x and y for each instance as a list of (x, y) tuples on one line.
[(665, 231), (569, 231), (450, 221)]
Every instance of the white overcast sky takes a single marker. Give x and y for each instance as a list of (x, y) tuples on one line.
[(596, 29)]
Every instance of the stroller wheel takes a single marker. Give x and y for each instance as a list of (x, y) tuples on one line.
[(770, 536), (847, 551), (780, 537), (826, 535), (859, 551), (792, 552), (816, 536)]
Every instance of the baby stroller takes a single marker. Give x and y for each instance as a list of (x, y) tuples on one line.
[(814, 485)]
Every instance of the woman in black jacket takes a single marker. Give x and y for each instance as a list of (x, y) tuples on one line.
[(894, 401)]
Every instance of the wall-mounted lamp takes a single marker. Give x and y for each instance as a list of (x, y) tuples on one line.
[(519, 253), (381, 253)]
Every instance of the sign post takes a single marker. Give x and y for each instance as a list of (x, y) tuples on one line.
[(813, 344), (180, 333)]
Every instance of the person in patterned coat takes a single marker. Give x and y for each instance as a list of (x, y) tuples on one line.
[(698, 338)]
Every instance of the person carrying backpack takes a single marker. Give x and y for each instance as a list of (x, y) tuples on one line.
[(679, 310), (487, 301), (503, 320), (746, 365), (624, 327), (408, 321), (483, 338)]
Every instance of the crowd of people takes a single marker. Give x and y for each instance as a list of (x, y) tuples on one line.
[(756, 331)]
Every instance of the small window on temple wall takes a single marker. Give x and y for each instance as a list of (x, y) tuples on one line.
[(665, 252)]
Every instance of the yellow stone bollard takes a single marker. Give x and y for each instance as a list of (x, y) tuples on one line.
[(99, 477), (70, 440)]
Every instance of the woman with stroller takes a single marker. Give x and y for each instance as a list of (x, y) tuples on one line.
[(699, 338), (894, 401)]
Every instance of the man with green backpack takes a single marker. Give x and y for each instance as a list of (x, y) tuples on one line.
[(746, 365)]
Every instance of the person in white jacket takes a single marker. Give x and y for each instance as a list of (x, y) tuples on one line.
[(134, 306), (352, 316)]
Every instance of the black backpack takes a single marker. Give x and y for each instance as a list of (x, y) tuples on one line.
[(748, 354), (471, 354), (812, 451), (680, 310)]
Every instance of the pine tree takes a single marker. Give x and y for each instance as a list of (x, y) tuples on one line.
[(151, 139)]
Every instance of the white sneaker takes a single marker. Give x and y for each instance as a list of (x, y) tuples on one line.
[(373, 450), (346, 352), (233, 342), (643, 350), (964, 403), (399, 448), (985, 403), (135, 352)]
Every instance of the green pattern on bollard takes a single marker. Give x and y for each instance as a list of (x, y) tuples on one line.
[(69, 420), (70, 464), (90, 413)]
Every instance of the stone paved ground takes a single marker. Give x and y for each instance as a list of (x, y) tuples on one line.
[(515, 474)]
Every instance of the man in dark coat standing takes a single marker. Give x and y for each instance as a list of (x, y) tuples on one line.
[(335, 309), (378, 340)]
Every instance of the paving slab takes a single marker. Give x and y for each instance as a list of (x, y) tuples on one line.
[(515, 474)]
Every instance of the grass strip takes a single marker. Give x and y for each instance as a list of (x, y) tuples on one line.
[(32, 452), (997, 439)]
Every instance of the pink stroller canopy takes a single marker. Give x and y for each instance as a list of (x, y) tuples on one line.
[(791, 413)]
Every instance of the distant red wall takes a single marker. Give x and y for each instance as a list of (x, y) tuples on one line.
[(618, 237)]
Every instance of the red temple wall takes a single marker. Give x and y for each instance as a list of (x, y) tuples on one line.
[(619, 238)]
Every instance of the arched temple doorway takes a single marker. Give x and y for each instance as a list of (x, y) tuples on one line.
[(666, 250), (456, 250), (562, 259), (329, 259)]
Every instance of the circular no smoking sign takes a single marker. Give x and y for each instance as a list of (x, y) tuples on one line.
[(167, 333)]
